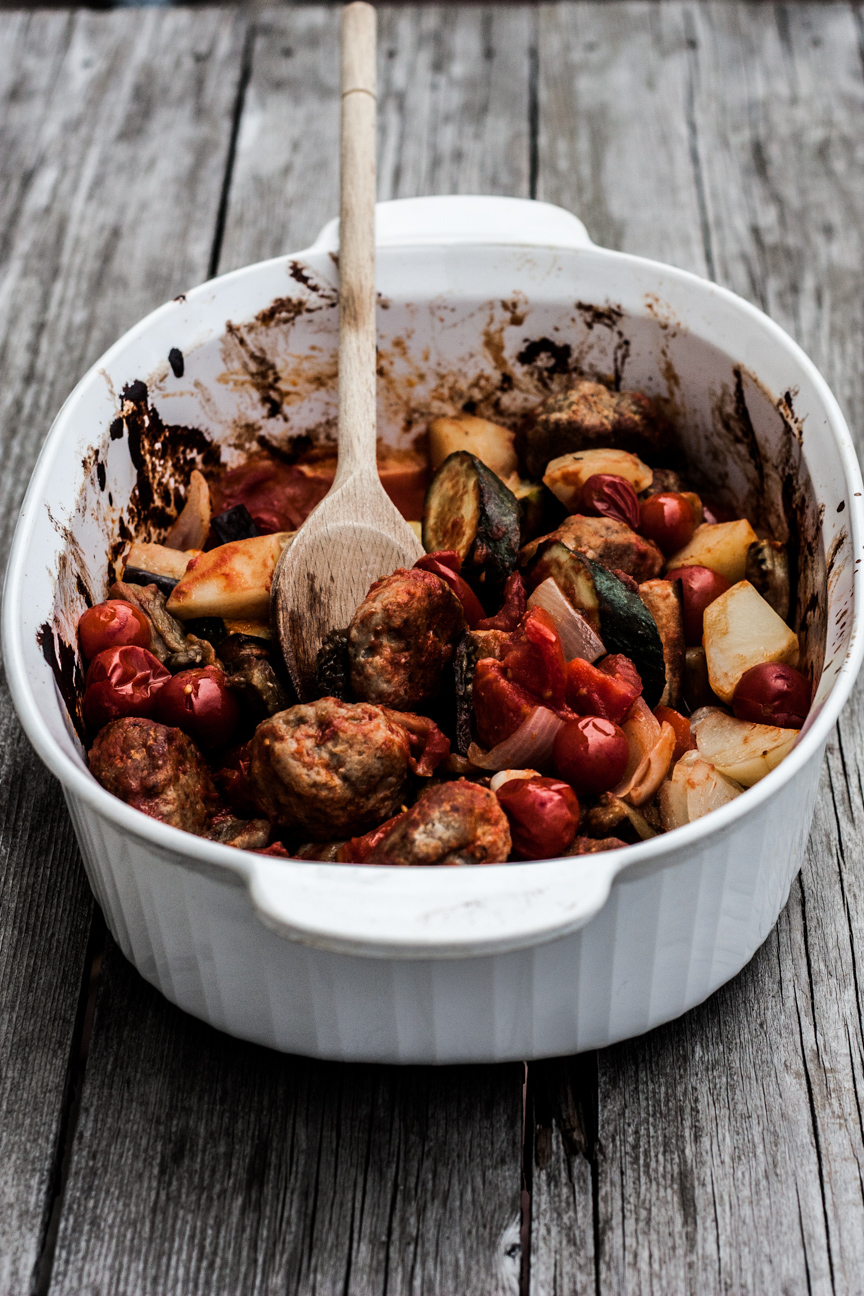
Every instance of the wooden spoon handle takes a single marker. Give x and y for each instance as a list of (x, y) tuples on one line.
[(357, 328)]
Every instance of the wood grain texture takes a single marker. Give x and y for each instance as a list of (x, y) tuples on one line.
[(729, 1152), (111, 127), (208, 1166), (453, 117), (205, 1165)]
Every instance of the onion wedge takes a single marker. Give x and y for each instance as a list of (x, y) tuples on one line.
[(529, 747), (578, 638), (191, 527)]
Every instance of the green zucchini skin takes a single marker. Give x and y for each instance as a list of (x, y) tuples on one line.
[(571, 573), (626, 626), (469, 509)]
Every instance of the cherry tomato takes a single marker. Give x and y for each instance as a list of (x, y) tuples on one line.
[(591, 753), (200, 703), (684, 740), (446, 566), (113, 624), (607, 495), (122, 681), (667, 518), (608, 689), (543, 814), (699, 587), (772, 694)]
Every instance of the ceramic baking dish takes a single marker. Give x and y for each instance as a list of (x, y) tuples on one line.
[(489, 301)]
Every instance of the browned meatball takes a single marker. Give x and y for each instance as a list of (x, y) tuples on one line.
[(612, 543), (588, 416), (453, 823), (401, 638), (331, 768), (156, 769)]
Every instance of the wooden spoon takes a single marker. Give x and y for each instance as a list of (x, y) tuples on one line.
[(355, 535)]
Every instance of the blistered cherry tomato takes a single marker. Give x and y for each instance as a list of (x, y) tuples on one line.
[(684, 740), (543, 814), (200, 703), (699, 587), (772, 694), (122, 681), (667, 518), (607, 495), (591, 754), (113, 624), (446, 565)]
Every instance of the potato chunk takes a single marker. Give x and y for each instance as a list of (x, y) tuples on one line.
[(232, 581), (566, 475), (742, 630), (739, 749), (491, 443), (720, 546)]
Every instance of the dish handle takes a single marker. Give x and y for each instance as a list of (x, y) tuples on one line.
[(411, 914), (467, 218)]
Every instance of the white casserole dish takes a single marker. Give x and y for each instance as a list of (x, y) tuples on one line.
[(472, 965)]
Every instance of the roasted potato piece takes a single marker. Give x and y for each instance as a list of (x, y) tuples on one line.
[(566, 475), (232, 581), (589, 415), (721, 546), (742, 630), (491, 443), (159, 559), (740, 749)]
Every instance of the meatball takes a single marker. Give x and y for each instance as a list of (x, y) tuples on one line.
[(607, 541), (401, 638), (156, 769), (330, 768), (588, 416), (452, 823)]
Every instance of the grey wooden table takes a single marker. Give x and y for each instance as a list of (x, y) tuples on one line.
[(143, 1153)]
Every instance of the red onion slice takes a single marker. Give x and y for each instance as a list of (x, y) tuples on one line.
[(530, 746), (577, 636)]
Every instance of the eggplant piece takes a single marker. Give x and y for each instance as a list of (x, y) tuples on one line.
[(663, 600), (767, 570), (570, 572), (137, 576), (213, 629), (465, 660), (333, 668), (470, 510), (250, 672), (626, 626), (234, 524)]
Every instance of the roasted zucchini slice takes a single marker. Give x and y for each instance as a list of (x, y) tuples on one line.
[(570, 572), (470, 510), (626, 626)]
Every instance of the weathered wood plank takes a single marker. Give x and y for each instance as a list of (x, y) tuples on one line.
[(205, 1165), (613, 138), (453, 117), (730, 1149), (110, 179)]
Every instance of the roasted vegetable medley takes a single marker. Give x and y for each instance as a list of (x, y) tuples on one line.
[(589, 653)]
